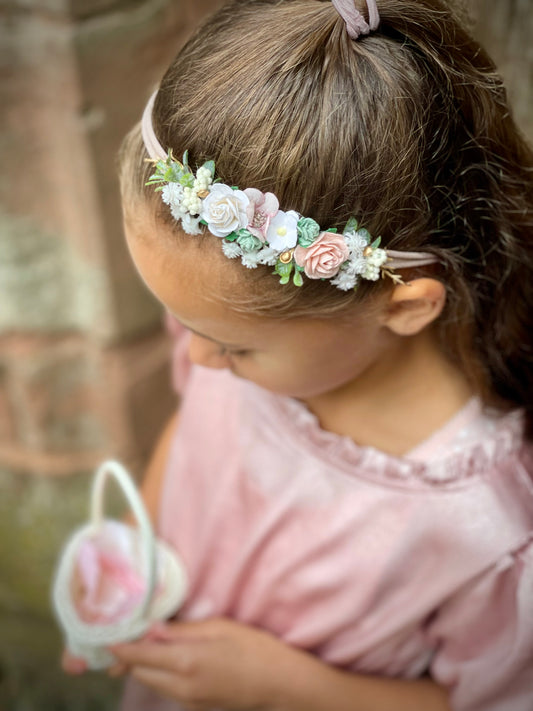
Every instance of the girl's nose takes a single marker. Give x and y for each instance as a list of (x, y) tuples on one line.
[(204, 352)]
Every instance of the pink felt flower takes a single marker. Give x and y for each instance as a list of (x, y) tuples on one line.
[(108, 584), (260, 210), (324, 257)]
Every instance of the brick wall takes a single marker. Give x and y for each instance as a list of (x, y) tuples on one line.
[(83, 360)]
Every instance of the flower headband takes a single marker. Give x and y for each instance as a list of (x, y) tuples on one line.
[(254, 229)]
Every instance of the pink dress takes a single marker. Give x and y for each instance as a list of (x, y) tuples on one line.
[(377, 564)]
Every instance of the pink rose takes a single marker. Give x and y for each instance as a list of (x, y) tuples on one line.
[(260, 210), (324, 257)]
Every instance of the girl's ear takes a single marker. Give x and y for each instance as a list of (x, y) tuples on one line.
[(413, 306)]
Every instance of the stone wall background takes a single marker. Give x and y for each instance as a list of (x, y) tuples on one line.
[(84, 368)]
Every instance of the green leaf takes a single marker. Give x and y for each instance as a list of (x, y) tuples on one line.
[(187, 180), (203, 222), (231, 237), (297, 278), (284, 271), (235, 187), (333, 229), (186, 159), (375, 244), (351, 226)]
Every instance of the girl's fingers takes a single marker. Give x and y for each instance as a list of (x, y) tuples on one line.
[(117, 670), (165, 683), (149, 654), (71, 664)]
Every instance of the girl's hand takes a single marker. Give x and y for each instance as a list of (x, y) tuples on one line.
[(75, 665), (214, 663)]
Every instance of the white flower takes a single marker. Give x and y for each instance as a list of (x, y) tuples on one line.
[(178, 212), (267, 255), (377, 257), (172, 194), (371, 273), (282, 233), (224, 210), (357, 264), (191, 225), (231, 249), (250, 259), (356, 241), (344, 280)]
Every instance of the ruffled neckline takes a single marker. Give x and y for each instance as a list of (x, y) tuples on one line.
[(456, 466)]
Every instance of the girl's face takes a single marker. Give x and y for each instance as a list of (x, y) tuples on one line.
[(302, 357)]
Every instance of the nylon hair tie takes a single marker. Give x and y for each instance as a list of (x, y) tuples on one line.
[(356, 25)]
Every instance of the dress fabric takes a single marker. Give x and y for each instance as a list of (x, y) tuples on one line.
[(393, 566)]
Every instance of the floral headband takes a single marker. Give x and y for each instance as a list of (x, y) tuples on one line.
[(254, 229)]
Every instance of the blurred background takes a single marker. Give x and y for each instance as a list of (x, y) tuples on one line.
[(84, 360)]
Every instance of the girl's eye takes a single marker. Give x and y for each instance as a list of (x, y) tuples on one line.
[(237, 354)]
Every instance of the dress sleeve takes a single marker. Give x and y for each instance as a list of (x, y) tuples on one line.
[(181, 365), (484, 638)]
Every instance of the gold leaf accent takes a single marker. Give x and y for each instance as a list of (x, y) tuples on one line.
[(286, 257)]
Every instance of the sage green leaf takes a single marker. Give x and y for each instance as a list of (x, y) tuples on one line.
[(351, 226), (210, 165), (366, 234), (375, 244)]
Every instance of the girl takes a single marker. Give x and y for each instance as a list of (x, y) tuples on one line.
[(350, 481)]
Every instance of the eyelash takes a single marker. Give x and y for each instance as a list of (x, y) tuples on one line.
[(234, 354)]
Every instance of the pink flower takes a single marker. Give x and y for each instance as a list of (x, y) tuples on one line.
[(324, 257), (260, 210), (108, 585)]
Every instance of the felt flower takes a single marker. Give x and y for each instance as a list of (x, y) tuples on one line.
[(324, 257), (109, 584), (261, 209), (231, 249), (345, 280), (282, 231), (357, 241), (172, 195), (248, 242), (308, 231), (190, 224), (224, 210)]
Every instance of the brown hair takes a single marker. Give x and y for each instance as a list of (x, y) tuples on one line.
[(408, 129)]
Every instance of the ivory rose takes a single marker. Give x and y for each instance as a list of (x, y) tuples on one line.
[(224, 210), (324, 257)]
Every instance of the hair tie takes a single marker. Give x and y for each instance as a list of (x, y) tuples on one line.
[(356, 25)]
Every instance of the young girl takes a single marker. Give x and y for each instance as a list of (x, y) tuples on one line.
[(350, 481)]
